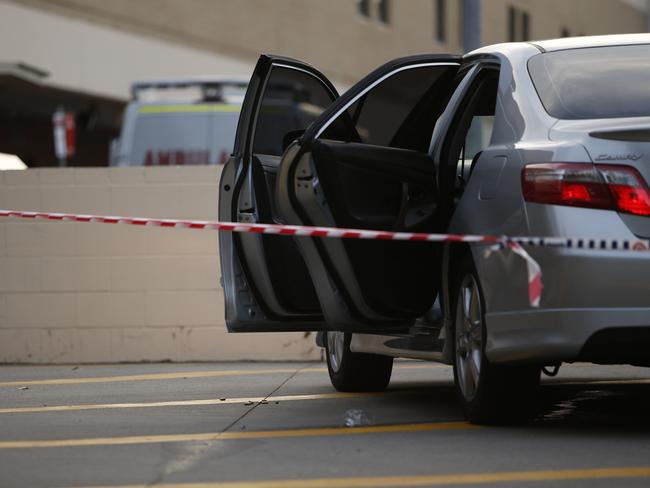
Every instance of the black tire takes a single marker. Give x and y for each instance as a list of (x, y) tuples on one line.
[(502, 394), (356, 372)]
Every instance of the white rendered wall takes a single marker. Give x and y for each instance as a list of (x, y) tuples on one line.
[(73, 293)]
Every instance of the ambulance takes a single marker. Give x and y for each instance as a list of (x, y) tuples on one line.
[(179, 122)]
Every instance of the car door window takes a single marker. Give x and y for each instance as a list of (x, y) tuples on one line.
[(293, 99), (478, 135), (478, 122), (468, 134), (400, 111)]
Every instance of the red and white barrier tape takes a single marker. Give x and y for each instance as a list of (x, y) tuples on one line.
[(286, 230), (513, 243), (534, 274)]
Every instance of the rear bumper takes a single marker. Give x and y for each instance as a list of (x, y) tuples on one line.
[(605, 335), (587, 297)]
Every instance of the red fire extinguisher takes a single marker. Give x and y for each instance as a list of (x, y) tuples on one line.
[(64, 135)]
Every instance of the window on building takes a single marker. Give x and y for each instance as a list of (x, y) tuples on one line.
[(518, 25), (364, 7), (461, 23), (439, 20), (525, 26), (512, 27), (383, 9)]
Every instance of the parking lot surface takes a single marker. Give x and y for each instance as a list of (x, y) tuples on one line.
[(238, 425)]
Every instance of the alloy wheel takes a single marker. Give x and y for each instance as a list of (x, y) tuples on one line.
[(469, 337), (335, 349)]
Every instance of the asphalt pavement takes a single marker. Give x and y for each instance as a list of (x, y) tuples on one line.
[(271, 425)]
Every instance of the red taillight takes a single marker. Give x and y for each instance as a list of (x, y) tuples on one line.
[(629, 190), (578, 185), (612, 187), (576, 192)]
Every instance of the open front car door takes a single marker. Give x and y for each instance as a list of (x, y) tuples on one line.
[(365, 164), (266, 283)]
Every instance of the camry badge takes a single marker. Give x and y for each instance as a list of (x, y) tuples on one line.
[(619, 157)]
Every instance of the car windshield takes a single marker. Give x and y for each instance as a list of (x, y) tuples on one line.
[(594, 83)]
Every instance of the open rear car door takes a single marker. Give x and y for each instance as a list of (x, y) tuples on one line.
[(365, 164), (266, 283)]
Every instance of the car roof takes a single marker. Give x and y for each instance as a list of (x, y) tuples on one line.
[(592, 41), (550, 45)]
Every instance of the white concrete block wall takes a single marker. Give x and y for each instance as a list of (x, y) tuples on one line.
[(77, 293)]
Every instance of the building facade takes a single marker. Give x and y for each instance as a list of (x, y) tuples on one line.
[(97, 48)]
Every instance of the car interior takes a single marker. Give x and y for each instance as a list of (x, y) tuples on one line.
[(392, 186), (374, 168), (373, 171)]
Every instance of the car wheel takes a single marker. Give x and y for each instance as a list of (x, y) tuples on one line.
[(488, 393), (352, 371)]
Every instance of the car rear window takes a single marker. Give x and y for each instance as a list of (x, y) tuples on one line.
[(594, 83)]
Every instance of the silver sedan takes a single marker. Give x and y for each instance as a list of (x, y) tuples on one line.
[(550, 138)]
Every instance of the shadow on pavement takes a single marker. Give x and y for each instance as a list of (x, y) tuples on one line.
[(596, 407), (576, 406)]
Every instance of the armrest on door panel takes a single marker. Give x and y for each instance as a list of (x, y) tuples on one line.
[(403, 164)]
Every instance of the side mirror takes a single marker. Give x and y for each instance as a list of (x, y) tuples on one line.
[(291, 136)]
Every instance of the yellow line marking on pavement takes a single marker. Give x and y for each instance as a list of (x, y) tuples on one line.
[(184, 375), (156, 376), (190, 403), (424, 480), (222, 436)]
